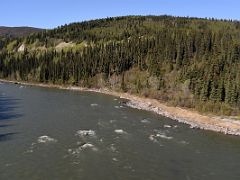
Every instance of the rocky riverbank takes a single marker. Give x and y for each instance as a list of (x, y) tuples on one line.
[(190, 117), (195, 120)]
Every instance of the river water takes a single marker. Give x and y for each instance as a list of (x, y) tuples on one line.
[(51, 134)]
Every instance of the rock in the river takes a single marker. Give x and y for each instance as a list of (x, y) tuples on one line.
[(85, 133), (46, 139)]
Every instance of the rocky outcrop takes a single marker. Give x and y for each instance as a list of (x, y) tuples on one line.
[(21, 48)]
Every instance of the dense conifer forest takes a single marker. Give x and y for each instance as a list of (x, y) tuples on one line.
[(187, 62)]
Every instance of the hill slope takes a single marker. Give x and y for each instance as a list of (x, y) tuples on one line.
[(186, 62), (17, 31)]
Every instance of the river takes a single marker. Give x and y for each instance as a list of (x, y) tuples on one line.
[(62, 135)]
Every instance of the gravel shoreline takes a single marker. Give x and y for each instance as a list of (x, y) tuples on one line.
[(192, 118), (226, 129)]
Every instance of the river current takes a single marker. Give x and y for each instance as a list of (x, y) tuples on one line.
[(51, 134)]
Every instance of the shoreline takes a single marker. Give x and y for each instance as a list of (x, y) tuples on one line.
[(190, 117)]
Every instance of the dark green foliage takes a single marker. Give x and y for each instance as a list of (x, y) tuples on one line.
[(204, 53), (17, 31)]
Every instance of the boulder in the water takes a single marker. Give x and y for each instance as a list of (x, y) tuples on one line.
[(86, 133), (145, 121), (167, 126), (120, 131), (46, 139)]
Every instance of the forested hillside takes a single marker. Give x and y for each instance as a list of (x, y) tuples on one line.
[(17, 31), (185, 62)]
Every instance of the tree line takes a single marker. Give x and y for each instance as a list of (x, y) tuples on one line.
[(195, 62)]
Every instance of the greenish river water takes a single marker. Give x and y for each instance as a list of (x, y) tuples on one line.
[(50, 134)]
